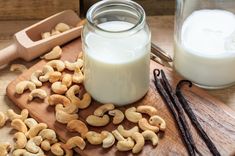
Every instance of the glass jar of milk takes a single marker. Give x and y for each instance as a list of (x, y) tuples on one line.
[(116, 45), (205, 42)]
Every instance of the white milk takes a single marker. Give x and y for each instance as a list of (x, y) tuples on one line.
[(116, 67), (206, 54)]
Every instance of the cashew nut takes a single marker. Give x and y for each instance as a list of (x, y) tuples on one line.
[(58, 88), (68, 152), (125, 145), (118, 116), (33, 144), (78, 76), (47, 134), (73, 65), (55, 53), (54, 32), (101, 110), (62, 27), (30, 122), (5, 148), (117, 135), (71, 108), (67, 80), (127, 133), (56, 64), (97, 121), (12, 115), (95, 138), (64, 117), (144, 125), (150, 135), (132, 115), (45, 35), (76, 142), (45, 145), (24, 152), (47, 70), (139, 140), (77, 126), (58, 99), (56, 149), (39, 93), (21, 140), (158, 121), (18, 67), (19, 125), (34, 130), (24, 85), (3, 119), (54, 76), (109, 140), (150, 110), (35, 78)]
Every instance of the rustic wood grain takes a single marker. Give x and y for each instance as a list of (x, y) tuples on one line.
[(217, 118)]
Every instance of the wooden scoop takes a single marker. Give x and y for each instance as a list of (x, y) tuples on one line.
[(28, 43)]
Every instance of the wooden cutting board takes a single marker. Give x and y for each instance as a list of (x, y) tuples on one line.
[(217, 119)]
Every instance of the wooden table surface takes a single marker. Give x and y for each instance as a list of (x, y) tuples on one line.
[(162, 35)]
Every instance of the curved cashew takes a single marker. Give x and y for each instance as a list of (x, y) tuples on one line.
[(68, 152), (117, 135), (18, 67), (118, 116), (158, 121), (77, 126), (73, 65), (64, 117), (34, 130), (125, 145), (39, 93), (56, 64), (30, 122), (55, 76), (139, 139), (24, 152), (97, 121), (33, 144), (19, 125), (58, 99), (5, 148), (71, 108), (45, 145), (35, 78), (56, 149), (150, 110), (12, 115), (150, 135), (132, 115), (144, 125), (62, 27), (67, 80), (47, 70), (47, 134), (45, 35), (24, 85), (3, 119), (55, 53), (54, 32), (101, 110), (76, 142), (78, 76), (109, 140), (127, 133), (21, 140), (58, 88), (95, 138)]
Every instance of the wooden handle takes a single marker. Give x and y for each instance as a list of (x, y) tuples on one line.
[(8, 54)]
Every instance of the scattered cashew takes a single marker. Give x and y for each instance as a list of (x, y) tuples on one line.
[(56, 149), (18, 67), (132, 115), (144, 125), (5, 148), (30, 122), (47, 134), (127, 133), (73, 65), (76, 142), (47, 70), (21, 140), (3, 119), (118, 116), (125, 145), (54, 76), (19, 125), (150, 110), (34, 130), (58, 88), (45, 145), (101, 110), (55, 53), (139, 140), (68, 152), (77, 126), (54, 32), (117, 135), (35, 77), (24, 152), (71, 108), (24, 85), (12, 115), (64, 117), (97, 121), (78, 76), (95, 138), (67, 80), (58, 99), (45, 35), (39, 93), (109, 140), (158, 121), (62, 27), (57, 64), (33, 144), (150, 135)]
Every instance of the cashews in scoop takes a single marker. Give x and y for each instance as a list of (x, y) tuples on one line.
[(97, 121), (37, 93), (64, 117), (139, 140), (56, 64), (109, 140), (127, 133), (150, 135), (12, 115), (77, 126), (101, 110), (21, 140), (76, 142), (45, 35), (24, 85), (150, 110), (62, 27), (118, 116), (132, 115), (19, 125), (35, 78), (47, 70), (58, 99), (158, 121), (58, 88), (55, 53), (144, 125)]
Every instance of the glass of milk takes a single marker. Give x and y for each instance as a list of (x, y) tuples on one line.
[(204, 42), (116, 45)]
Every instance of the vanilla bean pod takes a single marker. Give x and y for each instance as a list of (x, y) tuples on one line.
[(169, 103), (193, 118), (179, 108)]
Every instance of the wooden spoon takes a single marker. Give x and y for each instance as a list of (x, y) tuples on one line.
[(28, 43)]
